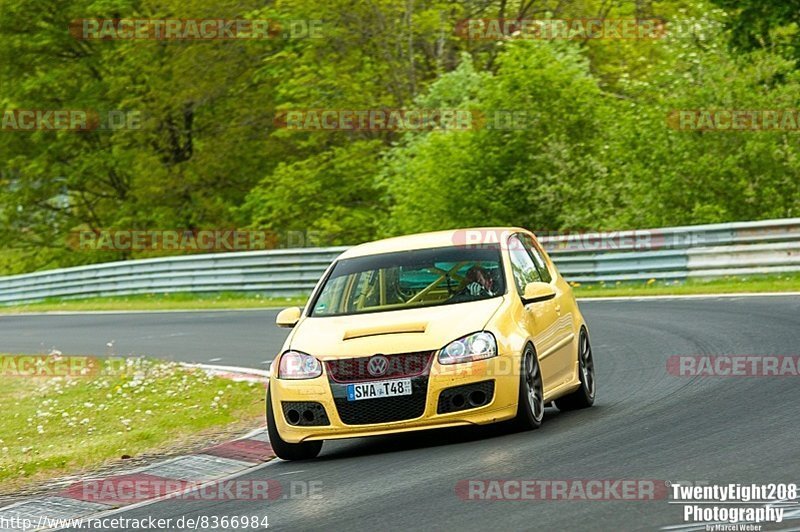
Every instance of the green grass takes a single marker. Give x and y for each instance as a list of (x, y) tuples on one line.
[(233, 300), (64, 424), (224, 300), (725, 285)]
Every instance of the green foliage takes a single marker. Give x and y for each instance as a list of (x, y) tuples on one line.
[(756, 24), (330, 195), (493, 175), (684, 177), (594, 150)]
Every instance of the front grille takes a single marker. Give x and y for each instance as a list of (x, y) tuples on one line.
[(384, 410), (399, 366)]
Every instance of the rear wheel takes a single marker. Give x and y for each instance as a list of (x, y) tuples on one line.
[(530, 404), (284, 449), (583, 397)]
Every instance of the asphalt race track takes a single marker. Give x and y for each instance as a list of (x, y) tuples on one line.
[(647, 423), (236, 338)]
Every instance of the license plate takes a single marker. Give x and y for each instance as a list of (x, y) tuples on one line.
[(378, 389)]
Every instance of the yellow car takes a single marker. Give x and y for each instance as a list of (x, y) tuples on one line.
[(463, 327)]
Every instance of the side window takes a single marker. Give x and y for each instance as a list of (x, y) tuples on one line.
[(521, 264), (537, 257)]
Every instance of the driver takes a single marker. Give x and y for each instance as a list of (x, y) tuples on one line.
[(479, 282)]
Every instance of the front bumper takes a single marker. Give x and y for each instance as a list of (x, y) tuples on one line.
[(421, 410)]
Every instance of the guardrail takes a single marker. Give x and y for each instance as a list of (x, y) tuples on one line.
[(740, 248)]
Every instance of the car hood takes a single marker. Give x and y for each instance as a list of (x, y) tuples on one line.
[(399, 331)]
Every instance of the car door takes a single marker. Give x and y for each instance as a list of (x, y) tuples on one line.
[(563, 327), (538, 318)]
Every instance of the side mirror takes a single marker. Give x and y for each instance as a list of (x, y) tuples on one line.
[(536, 292), (288, 317)]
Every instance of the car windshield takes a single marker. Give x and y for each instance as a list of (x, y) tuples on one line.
[(411, 279)]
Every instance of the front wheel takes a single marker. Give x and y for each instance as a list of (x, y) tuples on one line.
[(530, 404), (583, 397), (283, 449)]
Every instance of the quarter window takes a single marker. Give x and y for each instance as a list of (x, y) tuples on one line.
[(522, 265), (537, 257)]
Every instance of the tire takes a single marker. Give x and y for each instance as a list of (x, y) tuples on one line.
[(584, 396), (284, 449), (530, 403)]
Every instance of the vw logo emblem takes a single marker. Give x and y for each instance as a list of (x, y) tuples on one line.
[(378, 365)]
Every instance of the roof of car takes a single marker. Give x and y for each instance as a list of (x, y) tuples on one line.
[(453, 237)]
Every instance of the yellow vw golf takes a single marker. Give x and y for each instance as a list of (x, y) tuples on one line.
[(463, 327)]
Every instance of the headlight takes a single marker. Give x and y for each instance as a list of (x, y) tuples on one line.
[(296, 365), (476, 346)]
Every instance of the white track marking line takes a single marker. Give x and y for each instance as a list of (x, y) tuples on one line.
[(162, 311), (260, 309), (228, 369), (689, 296), (197, 486), (173, 495), (194, 488)]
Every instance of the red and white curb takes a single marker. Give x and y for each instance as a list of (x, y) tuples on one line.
[(94, 497), (173, 477), (234, 373)]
